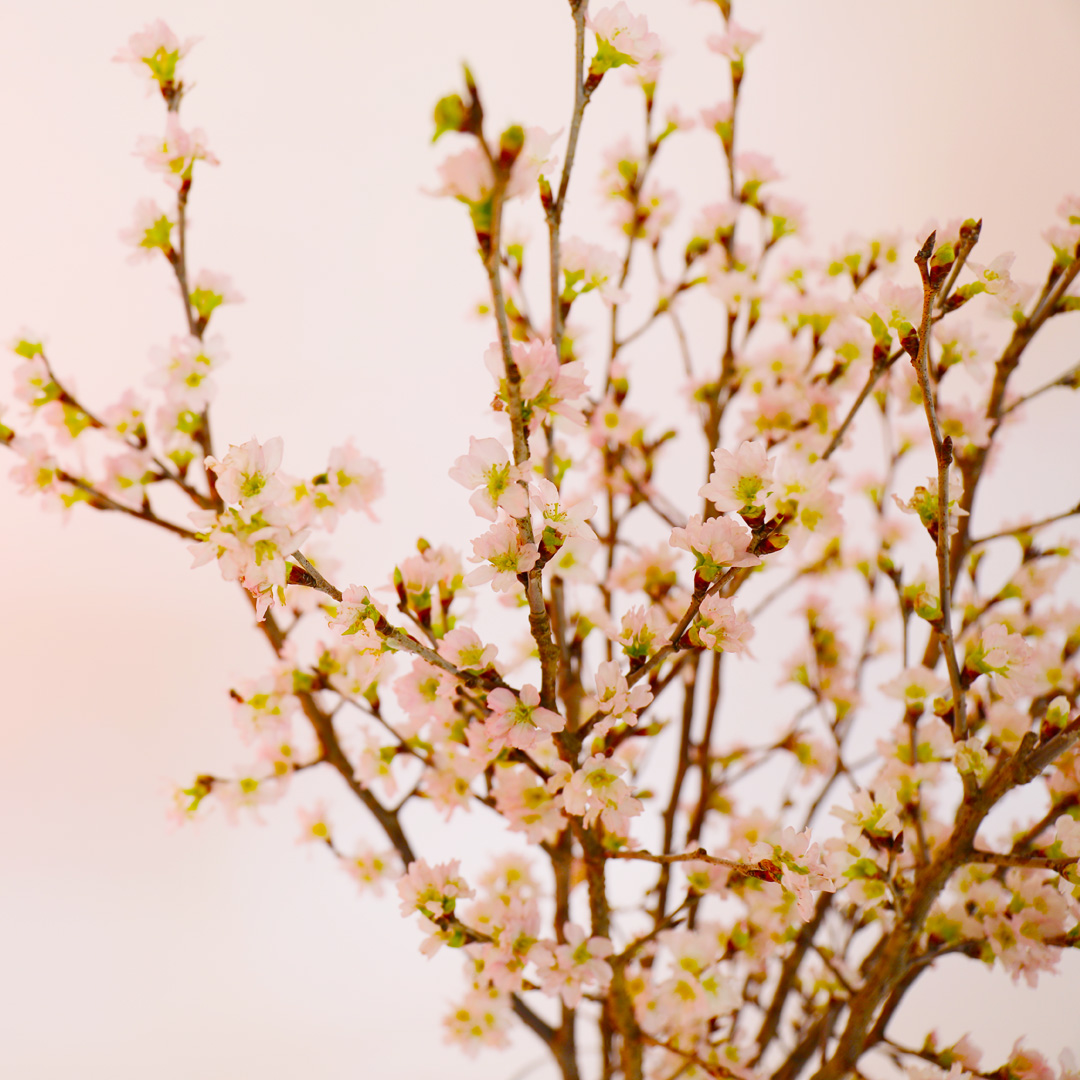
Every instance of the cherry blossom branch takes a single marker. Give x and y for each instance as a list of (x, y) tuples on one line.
[(877, 369), (1026, 862), (1029, 527), (969, 237), (100, 501), (311, 577), (1069, 379), (764, 870), (539, 620), (943, 451)]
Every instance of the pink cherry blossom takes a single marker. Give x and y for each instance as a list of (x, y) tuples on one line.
[(719, 626), (734, 43), (566, 969), (622, 38), (520, 719), (739, 480), (597, 791), (246, 476), (175, 154), (155, 52), (487, 468), (506, 556), (716, 543)]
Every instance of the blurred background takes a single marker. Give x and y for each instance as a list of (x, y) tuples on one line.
[(132, 949)]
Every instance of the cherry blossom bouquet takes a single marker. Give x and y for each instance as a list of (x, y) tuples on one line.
[(653, 914)]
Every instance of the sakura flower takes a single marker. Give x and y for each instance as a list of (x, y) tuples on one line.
[(734, 43), (432, 890), (1005, 657), (802, 868), (487, 468), (246, 476), (357, 613), (588, 266), (125, 417), (150, 232), (184, 370), (209, 291), (527, 804), (482, 1018), (520, 720), (597, 790), (564, 517), (924, 503), (464, 649), (314, 825), (741, 480), (572, 560), (506, 556), (915, 686), (716, 543), (616, 699), (621, 38), (175, 155), (251, 546), (352, 481), (547, 386), (642, 630), (155, 51), (370, 868), (754, 170), (466, 176), (566, 969), (1067, 834), (719, 626), (993, 277)]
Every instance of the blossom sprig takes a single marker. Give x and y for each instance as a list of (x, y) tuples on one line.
[(156, 52), (621, 38)]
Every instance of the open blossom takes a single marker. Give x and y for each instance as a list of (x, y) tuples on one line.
[(1067, 834), (716, 543), (924, 503), (621, 38), (734, 43), (482, 1018), (739, 480), (719, 626), (994, 276), (488, 468), (464, 649), (506, 556), (352, 481), (251, 546), (588, 266), (802, 870), (432, 890), (184, 370), (1005, 657), (528, 803), (247, 475), (155, 52), (565, 517), (547, 386), (520, 720), (150, 232), (642, 631), (597, 790), (467, 176), (175, 154), (915, 686), (210, 290), (566, 969)]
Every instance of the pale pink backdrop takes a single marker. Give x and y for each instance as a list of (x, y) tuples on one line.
[(130, 950)]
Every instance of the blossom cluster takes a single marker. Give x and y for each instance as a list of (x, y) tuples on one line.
[(780, 913)]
